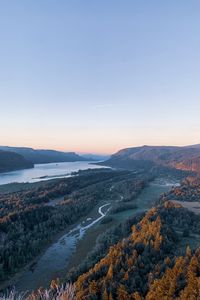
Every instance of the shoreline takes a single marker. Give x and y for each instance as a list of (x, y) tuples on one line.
[(46, 172), (94, 213)]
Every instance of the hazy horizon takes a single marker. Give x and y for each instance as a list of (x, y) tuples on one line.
[(98, 153), (96, 77)]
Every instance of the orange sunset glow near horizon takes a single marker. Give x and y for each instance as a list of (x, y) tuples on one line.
[(98, 144)]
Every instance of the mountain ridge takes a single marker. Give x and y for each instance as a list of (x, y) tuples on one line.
[(183, 158), (10, 161), (39, 156)]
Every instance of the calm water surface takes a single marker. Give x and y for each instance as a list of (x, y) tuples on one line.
[(46, 172)]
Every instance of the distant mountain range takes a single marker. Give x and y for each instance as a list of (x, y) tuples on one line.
[(144, 157), (15, 158), (95, 157), (183, 158), (44, 156), (10, 161)]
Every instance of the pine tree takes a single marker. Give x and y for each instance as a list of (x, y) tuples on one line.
[(122, 293), (105, 295)]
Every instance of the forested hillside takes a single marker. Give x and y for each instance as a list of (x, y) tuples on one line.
[(189, 190), (148, 264), (154, 262), (30, 219), (37, 156), (182, 158), (10, 161), (150, 256)]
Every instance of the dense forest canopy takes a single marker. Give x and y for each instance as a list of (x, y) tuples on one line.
[(29, 219), (148, 264), (147, 257), (133, 260)]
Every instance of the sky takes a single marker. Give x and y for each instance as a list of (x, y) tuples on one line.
[(98, 76)]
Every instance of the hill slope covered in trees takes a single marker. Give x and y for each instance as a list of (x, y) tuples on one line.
[(183, 158), (148, 264), (10, 161), (44, 156), (30, 218)]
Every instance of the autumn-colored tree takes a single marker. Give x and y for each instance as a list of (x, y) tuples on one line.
[(105, 295), (136, 296), (110, 272), (93, 287), (122, 293)]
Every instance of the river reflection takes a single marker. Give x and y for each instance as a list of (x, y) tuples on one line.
[(46, 172)]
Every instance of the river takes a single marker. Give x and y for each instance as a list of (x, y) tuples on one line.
[(46, 172), (72, 247)]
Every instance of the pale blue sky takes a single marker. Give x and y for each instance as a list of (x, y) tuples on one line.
[(97, 76)]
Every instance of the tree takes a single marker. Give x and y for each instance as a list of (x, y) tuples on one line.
[(122, 293), (105, 295)]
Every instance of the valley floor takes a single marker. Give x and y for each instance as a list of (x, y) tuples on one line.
[(192, 206)]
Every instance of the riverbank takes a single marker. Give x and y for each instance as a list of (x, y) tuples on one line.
[(47, 216), (92, 193), (69, 250), (44, 172), (144, 201), (21, 280)]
